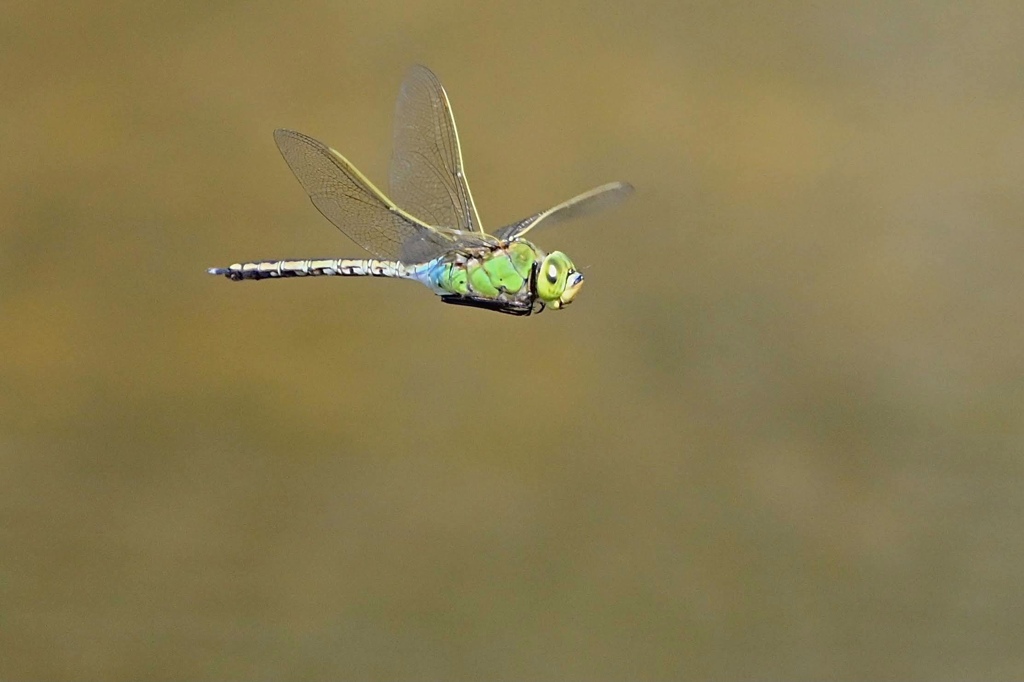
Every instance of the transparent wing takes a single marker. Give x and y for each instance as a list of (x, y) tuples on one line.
[(581, 205), (360, 210), (427, 177)]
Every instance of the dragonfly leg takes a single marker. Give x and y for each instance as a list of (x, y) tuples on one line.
[(507, 307)]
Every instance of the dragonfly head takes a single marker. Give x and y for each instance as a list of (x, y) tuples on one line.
[(558, 281)]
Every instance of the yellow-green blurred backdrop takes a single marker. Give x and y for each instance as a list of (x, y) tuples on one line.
[(779, 435)]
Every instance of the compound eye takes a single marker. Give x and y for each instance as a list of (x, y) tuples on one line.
[(552, 275), (552, 272)]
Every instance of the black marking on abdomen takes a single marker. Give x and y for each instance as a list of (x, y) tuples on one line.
[(311, 267)]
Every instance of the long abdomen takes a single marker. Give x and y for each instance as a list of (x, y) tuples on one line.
[(343, 267)]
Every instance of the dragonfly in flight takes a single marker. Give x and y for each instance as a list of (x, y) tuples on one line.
[(429, 230)]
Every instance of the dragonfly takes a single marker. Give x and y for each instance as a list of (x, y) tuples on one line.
[(429, 230)]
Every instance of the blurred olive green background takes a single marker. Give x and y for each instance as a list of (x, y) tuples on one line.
[(779, 436)]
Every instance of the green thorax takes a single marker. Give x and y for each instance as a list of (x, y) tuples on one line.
[(501, 273)]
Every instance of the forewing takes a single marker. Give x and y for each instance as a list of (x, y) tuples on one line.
[(427, 176), (360, 210), (581, 205)]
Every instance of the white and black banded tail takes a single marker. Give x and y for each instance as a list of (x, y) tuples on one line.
[(323, 267)]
